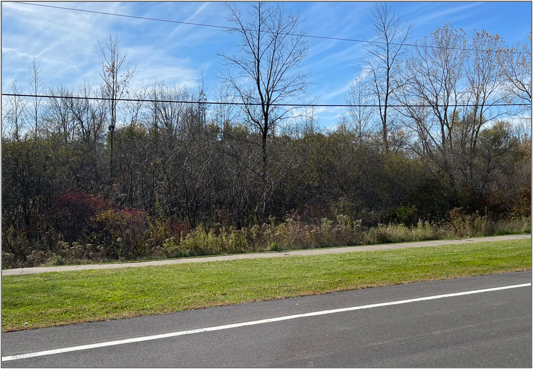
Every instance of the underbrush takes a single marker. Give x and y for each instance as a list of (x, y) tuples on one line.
[(130, 237)]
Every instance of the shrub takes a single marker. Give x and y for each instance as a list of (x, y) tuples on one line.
[(160, 232), (406, 214), (70, 214), (120, 231), (467, 225), (522, 204)]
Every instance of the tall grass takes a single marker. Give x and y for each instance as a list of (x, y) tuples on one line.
[(291, 234)]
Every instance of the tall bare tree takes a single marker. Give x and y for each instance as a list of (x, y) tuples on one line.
[(265, 72), (483, 74), (516, 73), (115, 82), (59, 114), (484, 82), (382, 62), (432, 96), (36, 86)]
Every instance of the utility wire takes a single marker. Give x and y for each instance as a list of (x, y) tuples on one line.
[(245, 104), (290, 34)]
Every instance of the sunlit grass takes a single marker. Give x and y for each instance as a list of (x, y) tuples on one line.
[(59, 298)]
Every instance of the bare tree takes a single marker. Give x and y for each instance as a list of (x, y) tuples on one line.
[(435, 72), (451, 95), (83, 113), (483, 74), (115, 82), (382, 62), (265, 72), (134, 109), (14, 114), (36, 86), (516, 71), (360, 117), (483, 78), (171, 115)]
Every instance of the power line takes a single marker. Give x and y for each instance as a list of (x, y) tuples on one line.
[(290, 34), (246, 104), (126, 16)]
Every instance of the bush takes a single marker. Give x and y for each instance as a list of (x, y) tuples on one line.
[(406, 214), (522, 204), (160, 232), (468, 225), (70, 214), (120, 231)]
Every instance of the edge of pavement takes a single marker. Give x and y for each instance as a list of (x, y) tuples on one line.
[(330, 250)]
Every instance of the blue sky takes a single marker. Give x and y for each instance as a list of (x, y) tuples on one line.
[(65, 43)]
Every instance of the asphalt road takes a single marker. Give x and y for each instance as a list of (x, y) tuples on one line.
[(488, 328)]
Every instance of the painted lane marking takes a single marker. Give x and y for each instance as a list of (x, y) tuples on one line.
[(254, 322)]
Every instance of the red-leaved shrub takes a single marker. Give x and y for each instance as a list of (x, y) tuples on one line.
[(70, 214)]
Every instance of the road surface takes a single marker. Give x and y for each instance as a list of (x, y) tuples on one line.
[(480, 321)]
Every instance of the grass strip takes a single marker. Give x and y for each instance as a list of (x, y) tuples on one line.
[(60, 298)]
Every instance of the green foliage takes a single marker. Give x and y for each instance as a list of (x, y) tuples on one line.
[(406, 214)]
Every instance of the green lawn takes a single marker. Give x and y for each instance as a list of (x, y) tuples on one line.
[(60, 298)]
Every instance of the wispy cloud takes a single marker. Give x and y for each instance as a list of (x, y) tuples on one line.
[(157, 64), (321, 47), (190, 19), (428, 17), (65, 43), (348, 54), (340, 91), (16, 52)]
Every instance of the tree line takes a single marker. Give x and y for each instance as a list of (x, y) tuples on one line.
[(442, 135)]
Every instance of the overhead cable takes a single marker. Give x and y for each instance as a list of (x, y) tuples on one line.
[(248, 104), (226, 28)]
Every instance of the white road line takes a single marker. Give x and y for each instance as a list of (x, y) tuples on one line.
[(255, 322)]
